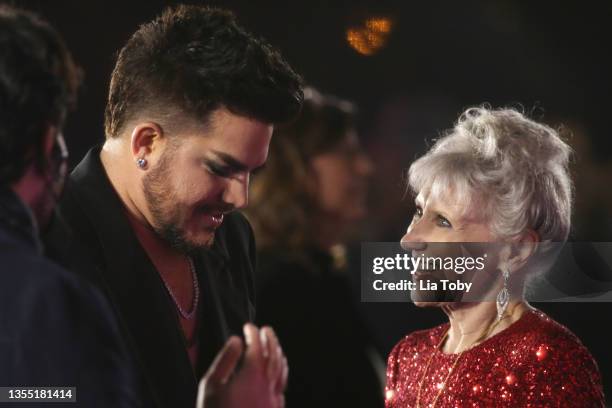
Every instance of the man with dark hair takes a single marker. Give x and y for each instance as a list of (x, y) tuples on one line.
[(55, 330), (192, 104)]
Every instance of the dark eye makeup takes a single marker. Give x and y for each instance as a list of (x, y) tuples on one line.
[(218, 169), (441, 221)]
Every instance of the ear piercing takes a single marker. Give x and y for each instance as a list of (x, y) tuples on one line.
[(141, 163)]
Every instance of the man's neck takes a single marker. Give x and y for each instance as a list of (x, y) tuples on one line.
[(113, 161), (152, 243), (18, 215), (112, 158), (30, 190)]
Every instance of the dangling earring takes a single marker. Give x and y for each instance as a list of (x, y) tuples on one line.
[(141, 163), (503, 297)]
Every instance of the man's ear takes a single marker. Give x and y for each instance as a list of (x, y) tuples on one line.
[(49, 139), (41, 154), (146, 141)]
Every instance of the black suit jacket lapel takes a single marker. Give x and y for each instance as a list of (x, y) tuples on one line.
[(225, 300)]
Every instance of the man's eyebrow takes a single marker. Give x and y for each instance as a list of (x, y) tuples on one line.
[(234, 164)]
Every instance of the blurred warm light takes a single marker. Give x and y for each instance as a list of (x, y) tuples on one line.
[(379, 25), (371, 37), (357, 40)]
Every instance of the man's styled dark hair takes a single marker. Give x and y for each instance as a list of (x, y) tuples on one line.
[(38, 85), (193, 60)]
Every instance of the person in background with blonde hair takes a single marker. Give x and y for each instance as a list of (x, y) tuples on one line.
[(312, 191)]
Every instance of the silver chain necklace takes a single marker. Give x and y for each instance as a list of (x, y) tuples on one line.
[(196, 290)]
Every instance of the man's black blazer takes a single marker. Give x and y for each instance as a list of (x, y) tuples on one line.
[(93, 237)]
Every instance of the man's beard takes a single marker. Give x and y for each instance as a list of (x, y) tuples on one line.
[(168, 216)]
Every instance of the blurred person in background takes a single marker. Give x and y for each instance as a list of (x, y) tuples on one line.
[(497, 177), (55, 329), (312, 191)]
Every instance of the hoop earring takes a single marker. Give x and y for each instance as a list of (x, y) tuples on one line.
[(141, 163), (503, 297)]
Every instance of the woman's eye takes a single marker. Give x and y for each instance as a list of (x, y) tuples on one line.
[(443, 222), (418, 212)]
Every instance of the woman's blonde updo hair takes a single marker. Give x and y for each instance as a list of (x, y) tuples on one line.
[(506, 169)]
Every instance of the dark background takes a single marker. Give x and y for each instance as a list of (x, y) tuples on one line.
[(551, 58)]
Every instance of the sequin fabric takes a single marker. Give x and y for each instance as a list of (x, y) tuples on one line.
[(535, 362)]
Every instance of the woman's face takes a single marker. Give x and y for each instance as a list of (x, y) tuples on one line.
[(439, 220), (341, 177), (438, 229)]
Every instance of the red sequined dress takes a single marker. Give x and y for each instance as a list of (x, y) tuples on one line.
[(535, 362)]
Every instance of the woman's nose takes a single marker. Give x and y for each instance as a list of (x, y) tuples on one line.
[(412, 242)]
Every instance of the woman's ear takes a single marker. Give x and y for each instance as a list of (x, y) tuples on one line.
[(504, 256), (523, 248)]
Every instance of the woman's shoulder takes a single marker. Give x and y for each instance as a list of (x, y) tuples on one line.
[(539, 329), (547, 342), (552, 358), (537, 340)]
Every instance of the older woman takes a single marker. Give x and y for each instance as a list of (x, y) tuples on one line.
[(497, 177)]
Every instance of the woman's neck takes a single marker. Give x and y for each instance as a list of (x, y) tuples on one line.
[(473, 323)]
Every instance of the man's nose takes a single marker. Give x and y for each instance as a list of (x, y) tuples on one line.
[(237, 192)]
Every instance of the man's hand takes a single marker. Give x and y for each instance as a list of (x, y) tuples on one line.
[(259, 383)]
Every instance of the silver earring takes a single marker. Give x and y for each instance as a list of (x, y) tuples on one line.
[(503, 297), (141, 163)]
